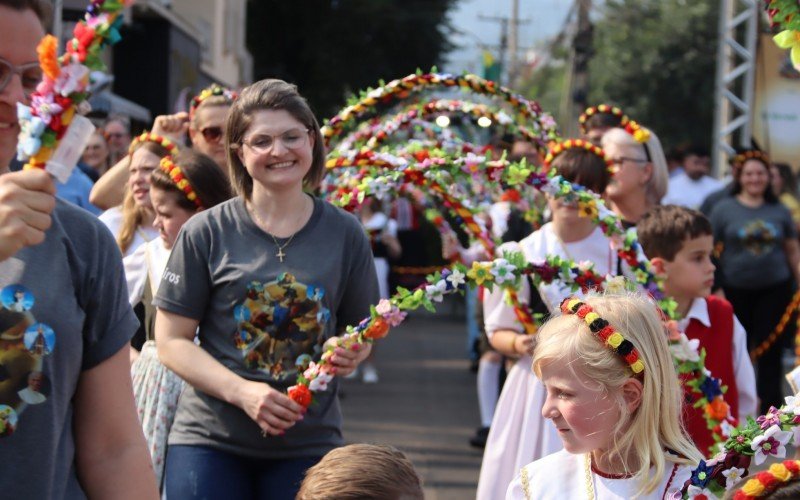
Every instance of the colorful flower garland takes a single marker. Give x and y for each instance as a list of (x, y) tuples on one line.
[(63, 90), (558, 148), (602, 109), (164, 142), (752, 154), (786, 15), (180, 180), (757, 440), (211, 91), (767, 482)]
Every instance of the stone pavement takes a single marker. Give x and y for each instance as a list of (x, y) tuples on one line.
[(425, 403)]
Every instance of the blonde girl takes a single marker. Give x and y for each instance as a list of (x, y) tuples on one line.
[(617, 409)]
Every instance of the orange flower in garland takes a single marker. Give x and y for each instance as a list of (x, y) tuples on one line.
[(378, 329), (48, 56), (717, 409), (300, 394)]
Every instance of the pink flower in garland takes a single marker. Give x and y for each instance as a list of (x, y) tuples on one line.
[(71, 79), (770, 444), (772, 417), (45, 107), (390, 312)]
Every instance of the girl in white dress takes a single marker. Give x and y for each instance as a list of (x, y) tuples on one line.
[(614, 396), (178, 190), (518, 434)]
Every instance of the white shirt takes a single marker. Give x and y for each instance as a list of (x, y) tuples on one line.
[(742, 366), (562, 475), (112, 218), (149, 259), (687, 192)]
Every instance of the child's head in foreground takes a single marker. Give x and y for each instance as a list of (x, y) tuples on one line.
[(780, 482), (595, 398), (362, 471), (679, 243)]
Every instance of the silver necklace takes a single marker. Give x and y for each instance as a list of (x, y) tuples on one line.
[(280, 254)]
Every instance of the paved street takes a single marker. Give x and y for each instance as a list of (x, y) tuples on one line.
[(425, 403)]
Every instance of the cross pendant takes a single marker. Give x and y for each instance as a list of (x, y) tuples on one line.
[(280, 255)]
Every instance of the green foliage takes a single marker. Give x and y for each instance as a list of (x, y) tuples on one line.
[(333, 48), (657, 60)]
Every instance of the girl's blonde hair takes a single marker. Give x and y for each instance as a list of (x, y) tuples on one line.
[(655, 426), (659, 177)]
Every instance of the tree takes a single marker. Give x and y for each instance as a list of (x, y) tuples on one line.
[(332, 48), (657, 60)]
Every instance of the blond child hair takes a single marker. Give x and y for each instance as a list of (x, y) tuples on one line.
[(641, 437), (362, 471)]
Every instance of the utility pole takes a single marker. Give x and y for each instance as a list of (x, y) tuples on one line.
[(503, 40), (575, 100), (509, 42)]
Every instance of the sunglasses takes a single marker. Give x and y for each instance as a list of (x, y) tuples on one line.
[(211, 134), (30, 73)]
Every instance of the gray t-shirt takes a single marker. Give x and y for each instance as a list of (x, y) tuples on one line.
[(753, 254), (63, 309), (259, 315)]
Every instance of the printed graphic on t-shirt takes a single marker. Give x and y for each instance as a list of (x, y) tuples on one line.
[(278, 322), (758, 236), (24, 343)]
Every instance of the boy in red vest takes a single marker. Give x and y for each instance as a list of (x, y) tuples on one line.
[(679, 244)]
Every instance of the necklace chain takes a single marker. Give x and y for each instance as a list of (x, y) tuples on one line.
[(280, 254)]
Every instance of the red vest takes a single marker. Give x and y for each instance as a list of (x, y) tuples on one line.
[(718, 343)]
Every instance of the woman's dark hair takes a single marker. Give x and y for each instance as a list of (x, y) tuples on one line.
[(267, 95), (769, 194), (583, 167), (788, 177), (602, 120), (204, 175)]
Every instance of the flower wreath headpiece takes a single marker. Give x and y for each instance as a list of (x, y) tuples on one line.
[(210, 91), (766, 482), (752, 154), (605, 109), (180, 180), (151, 137), (610, 336), (558, 148)]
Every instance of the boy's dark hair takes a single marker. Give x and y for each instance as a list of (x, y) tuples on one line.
[(362, 471), (42, 8), (664, 229)]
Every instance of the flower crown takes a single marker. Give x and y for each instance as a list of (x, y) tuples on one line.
[(752, 154), (180, 180), (560, 147), (610, 336), (640, 134), (210, 91), (766, 482), (167, 144), (605, 109)]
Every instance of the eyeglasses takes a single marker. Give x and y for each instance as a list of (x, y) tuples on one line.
[(30, 73), (616, 163), (211, 134), (291, 139)]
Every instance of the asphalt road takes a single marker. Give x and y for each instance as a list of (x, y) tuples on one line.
[(425, 403)]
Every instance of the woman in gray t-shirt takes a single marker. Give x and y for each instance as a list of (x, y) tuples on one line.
[(269, 278), (759, 262)]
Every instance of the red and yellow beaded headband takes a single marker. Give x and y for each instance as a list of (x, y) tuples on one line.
[(167, 144), (210, 91), (766, 482), (180, 180), (610, 336), (602, 109), (558, 148), (753, 154)]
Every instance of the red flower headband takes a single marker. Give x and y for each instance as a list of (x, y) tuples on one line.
[(610, 336), (180, 180), (210, 91), (167, 144), (752, 154), (766, 482), (558, 148), (605, 109)]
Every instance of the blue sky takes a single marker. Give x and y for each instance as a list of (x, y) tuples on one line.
[(544, 19)]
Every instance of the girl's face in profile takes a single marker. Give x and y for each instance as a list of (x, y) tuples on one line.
[(170, 217), (585, 416)]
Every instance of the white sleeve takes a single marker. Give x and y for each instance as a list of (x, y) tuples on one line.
[(391, 228), (515, 490), (136, 274), (744, 373)]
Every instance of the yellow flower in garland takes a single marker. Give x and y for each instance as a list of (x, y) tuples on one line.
[(790, 39), (587, 209), (753, 488), (480, 273)]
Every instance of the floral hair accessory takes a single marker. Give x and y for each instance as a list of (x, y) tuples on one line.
[(640, 134), (151, 137), (560, 147), (210, 91), (751, 154), (180, 180), (610, 336), (785, 15), (604, 109), (766, 482)]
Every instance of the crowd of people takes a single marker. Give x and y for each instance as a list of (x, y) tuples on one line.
[(156, 308)]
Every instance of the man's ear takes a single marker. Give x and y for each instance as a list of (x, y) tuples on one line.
[(659, 267), (632, 391)]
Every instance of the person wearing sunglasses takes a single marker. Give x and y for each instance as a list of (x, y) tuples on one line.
[(84, 439), (117, 131), (271, 278)]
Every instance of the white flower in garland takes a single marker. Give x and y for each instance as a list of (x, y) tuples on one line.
[(503, 271), (770, 444), (792, 405), (685, 349), (436, 292), (456, 278), (732, 476), (320, 383)]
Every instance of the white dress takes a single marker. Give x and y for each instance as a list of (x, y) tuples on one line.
[(112, 218), (519, 434), (563, 475), (156, 389)]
